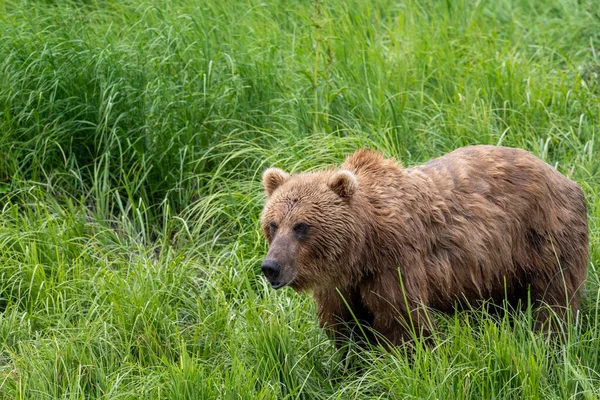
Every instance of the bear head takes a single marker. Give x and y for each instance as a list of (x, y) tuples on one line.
[(312, 227)]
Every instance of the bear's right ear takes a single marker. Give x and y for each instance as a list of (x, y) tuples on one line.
[(272, 179), (343, 183)]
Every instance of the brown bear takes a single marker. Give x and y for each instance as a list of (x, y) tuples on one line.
[(381, 244)]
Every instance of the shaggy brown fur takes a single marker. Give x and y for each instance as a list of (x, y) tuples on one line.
[(479, 223)]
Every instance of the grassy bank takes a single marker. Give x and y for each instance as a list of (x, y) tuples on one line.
[(132, 139)]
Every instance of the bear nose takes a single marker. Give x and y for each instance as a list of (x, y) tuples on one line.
[(271, 269)]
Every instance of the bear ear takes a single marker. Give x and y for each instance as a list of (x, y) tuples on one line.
[(272, 179), (343, 183)]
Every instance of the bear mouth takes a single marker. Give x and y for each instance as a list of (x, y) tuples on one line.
[(279, 285)]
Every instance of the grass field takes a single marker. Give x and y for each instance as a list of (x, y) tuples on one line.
[(132, 140)]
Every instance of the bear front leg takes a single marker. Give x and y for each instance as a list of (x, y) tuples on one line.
[(396, 328), (339, 311), (399, 315)]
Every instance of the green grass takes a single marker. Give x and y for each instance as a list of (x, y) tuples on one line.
[(132, 139)]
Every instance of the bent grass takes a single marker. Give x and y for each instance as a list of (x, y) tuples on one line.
[(132, 140)]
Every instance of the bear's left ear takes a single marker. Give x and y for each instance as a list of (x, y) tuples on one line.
[(343, 183), (272, 179)]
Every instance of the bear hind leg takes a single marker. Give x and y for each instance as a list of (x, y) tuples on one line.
[(555, 299), (557, 270)]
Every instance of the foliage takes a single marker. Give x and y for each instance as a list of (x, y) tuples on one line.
[(132, 139)]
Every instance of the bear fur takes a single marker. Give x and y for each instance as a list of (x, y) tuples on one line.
[(381, 244)]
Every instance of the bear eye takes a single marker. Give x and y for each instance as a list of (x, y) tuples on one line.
[(272, 229), (301, 230)]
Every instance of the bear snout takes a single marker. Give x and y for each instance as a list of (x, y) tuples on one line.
[(271, 270)]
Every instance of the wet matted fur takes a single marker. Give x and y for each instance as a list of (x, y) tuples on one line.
[(386, 243)]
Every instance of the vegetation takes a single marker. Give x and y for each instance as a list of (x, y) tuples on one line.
[(132, 139)]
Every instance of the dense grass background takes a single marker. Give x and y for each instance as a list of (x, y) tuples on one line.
[(132, 139)]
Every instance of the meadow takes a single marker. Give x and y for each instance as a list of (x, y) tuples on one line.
[(133, 136)]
